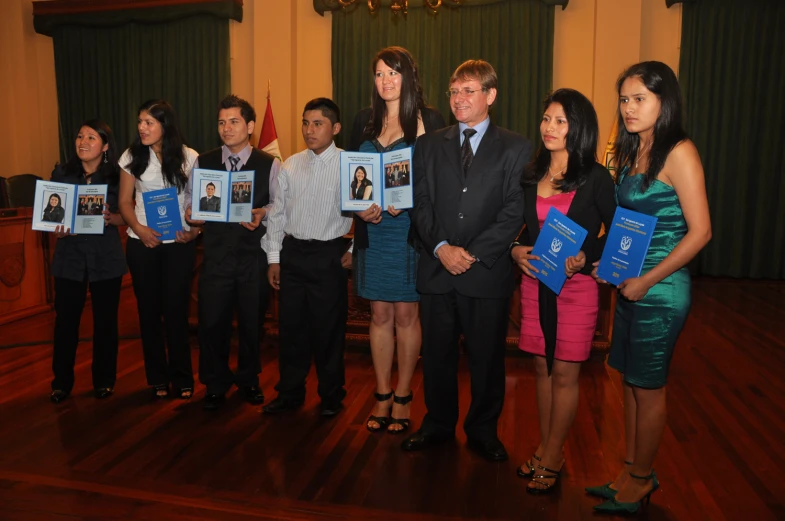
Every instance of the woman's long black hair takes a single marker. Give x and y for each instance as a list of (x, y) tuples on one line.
[(668, 130), (582, 133), (49, 202), (108, 165), (172, 154), (411, 103)]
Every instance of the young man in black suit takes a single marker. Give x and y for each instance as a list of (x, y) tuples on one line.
[(468, 208), (234, 267)]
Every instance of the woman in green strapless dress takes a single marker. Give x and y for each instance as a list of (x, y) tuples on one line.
[(660, 174)]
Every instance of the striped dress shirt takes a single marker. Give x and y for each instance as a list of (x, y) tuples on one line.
[(307, 205)]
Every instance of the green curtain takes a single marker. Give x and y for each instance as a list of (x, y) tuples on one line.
[(516, 37), (107, 72), (733, 80)]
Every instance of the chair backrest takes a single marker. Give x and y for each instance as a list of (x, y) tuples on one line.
[(3, 193), (21, 190)]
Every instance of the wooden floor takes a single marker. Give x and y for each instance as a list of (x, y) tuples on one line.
[(723, 456)]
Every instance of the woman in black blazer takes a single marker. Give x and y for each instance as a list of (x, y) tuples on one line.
[(559, 329), (385, 252), (96, 262)]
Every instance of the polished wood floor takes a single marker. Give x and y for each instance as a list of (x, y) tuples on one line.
[(723, 456)]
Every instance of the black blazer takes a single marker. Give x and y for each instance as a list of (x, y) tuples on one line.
[(431, 120), (482, 212), (594, 205)]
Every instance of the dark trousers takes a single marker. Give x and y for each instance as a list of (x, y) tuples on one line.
[(229, 283), (313, 307), (483, 323), (70, 296), (162, 285)]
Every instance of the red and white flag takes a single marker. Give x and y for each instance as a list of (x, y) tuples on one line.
[(268, 140)]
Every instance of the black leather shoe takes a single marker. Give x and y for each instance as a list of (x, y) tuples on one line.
[(329, 409), (213, 401), (280, 405), (422, 440), (252, 395), (491, 449), (103, 392), (58, 396)]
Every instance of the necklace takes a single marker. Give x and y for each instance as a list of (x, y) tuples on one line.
[(641, 152), (560, 172)]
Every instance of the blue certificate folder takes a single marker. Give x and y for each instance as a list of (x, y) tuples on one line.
[(163, 212), (626, 246), (560, 237)]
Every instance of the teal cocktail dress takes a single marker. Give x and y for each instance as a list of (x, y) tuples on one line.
[(645, 332)]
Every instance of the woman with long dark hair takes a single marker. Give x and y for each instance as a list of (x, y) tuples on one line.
[(361, 187), (385, 259), (54, 211), (558, 329), (88, 261), (161, 271), (660, 174)]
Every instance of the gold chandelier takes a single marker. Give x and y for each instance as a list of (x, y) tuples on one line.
[(397, 6)]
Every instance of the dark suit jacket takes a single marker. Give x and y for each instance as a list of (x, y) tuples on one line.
[(482, 212), (213, 205), (594, 205)]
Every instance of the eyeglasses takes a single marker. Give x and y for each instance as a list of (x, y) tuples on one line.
[(465, 92)]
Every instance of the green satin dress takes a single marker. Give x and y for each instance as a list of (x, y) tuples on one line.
[(645, 332)]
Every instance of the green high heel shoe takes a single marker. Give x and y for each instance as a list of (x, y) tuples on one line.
[(615, 507), (605, 491)]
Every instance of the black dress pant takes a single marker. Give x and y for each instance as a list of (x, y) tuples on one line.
[(313, 307), (483, 323), (229, 283), (70, 296), (162, 285)]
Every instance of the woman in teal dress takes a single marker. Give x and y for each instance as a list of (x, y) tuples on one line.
[(660, 174), (385, 256)]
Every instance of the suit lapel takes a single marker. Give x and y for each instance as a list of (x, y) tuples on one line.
[(451, 148), (487, 157)]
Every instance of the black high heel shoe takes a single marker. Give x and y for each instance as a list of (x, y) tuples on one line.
[(616, 507), (546, 488), (403, 422), (382, 421), (529, 465)]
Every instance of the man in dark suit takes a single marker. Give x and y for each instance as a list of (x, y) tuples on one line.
[(468, 209), (210, 203), (234, 268)]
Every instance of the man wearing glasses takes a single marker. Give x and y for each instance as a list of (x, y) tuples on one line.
[(468, 208)]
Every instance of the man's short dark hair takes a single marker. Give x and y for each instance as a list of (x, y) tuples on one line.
[(246, 110), (328, 107), (210, 184)]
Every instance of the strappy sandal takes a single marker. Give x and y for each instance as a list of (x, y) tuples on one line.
[(403, 422), (529, 465), (186, 393), (538, 478), (381, 421), (160, 391)]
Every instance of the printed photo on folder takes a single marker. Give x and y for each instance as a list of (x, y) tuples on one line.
[(559, 238), (385, 179), (221, 196), (162, 210), (78, 208), (626, 246)]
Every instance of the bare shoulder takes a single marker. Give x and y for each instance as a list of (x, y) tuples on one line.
[(683, 161)]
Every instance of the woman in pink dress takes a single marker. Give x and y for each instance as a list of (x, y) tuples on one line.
[(559, 330)]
